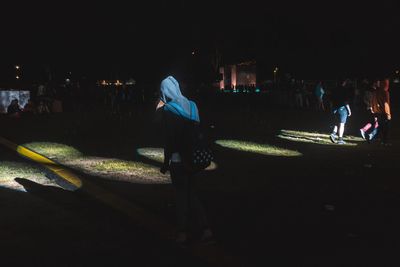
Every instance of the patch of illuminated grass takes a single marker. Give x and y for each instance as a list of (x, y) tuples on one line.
[(10, 170), (54, 150), (116, 165), (263, 149), (153, 153), (115, 169), (108, 168), (315, 137)]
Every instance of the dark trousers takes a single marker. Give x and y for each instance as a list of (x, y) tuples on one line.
[(188, 205)]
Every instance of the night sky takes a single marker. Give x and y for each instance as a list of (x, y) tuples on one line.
[(309, 39)]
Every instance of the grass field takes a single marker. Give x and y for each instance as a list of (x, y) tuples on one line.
[(279, 192)]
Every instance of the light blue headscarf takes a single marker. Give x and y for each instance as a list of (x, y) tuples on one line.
[(175, 102)]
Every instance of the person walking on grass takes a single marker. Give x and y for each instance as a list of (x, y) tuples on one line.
[(380, 107), (372, 122), (341, 110), (175, 109)]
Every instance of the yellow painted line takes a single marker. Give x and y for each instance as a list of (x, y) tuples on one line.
[(46, 162)]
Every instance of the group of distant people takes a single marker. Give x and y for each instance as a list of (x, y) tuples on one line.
[(377, 103), (314, 95), (30, 108)]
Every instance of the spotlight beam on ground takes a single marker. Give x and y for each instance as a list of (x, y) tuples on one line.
[(9, 170), (314, 138), (54, 167), (106, 168), (263, 149)]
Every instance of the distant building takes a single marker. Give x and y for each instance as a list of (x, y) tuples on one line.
[(238, 75)]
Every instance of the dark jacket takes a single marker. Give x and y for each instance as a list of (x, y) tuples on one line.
[(340, 96), (380, 102), (173, 134), (13, 108)]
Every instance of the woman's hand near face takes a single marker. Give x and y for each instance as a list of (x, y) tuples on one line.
[(160, 104)]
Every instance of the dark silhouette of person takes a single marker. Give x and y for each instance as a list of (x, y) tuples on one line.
[(14, 109), (175, 109), (380, 106), (29, 108), (372, 122)]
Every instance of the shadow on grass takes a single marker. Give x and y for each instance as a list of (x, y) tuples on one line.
[(55, 195)]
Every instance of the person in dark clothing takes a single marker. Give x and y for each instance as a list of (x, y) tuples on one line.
[(372, 122), (319, 94), (175, 109), (29, 108), (380, 106), (341, 110), (14, 109)]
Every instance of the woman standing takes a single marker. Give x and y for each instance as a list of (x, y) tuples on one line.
[(176, 109)]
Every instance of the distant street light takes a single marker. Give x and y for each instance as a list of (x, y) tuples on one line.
[(275, 72), (17, 72)]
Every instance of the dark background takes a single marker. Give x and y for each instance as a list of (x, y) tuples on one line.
[(147, 39)]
